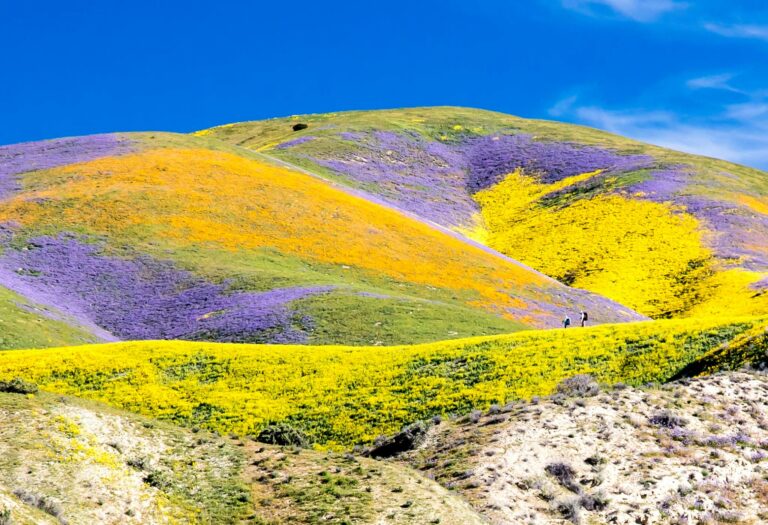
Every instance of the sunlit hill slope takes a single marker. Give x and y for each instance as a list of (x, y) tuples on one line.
[(341, 395), (163, 236), (396, 280), (665, 233)]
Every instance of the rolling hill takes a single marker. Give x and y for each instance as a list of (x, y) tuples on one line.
[(69, 461), (692, 451), (165, 236), (340, 396), (391, 279), (487, 448), (377, 227), (665, 233)]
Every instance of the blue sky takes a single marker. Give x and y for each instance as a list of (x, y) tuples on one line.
[(688, 75)]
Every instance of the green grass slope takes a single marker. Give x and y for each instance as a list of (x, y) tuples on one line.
[(25, 325), (68, 461)]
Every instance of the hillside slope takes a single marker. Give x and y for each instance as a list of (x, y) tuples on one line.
[(341, 396), (688, 452), (67, 461), (63, 460), (163, 236), (665, 233)]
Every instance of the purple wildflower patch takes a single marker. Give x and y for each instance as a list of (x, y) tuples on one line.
[(295, 142), (490, 158), (436, 180), (664, 184), (739, 233), (730, 440), (143, 298), (419, 176), (32, 156), (352, 135), (760, 285), (736, 233)]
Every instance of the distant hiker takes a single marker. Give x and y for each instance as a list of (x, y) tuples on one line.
[(566, 322), (584, 319)]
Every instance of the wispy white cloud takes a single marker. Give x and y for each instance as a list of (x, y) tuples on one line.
[(639, 10), (563, 106), (721, 82), (747, 111), (737, 144), (738, 132), (617, 121), (759, 32)]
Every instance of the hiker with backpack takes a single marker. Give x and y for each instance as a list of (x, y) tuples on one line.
[(566, 321), (584, 318)]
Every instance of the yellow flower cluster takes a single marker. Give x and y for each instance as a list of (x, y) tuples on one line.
[(758, 204), (344, 395), (645, 255), (732, 289), (214, 130)]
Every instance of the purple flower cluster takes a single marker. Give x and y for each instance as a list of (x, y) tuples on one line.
[(295, 142), (490, 158), (422, 177), (352, 135), (436, 180), (730, 440), (737, 232), (551, 312), (143, 298), (31, 156), (761, 285), (664, 184)]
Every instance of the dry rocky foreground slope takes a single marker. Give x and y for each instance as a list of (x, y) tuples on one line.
[(690, 452), (68, 461)]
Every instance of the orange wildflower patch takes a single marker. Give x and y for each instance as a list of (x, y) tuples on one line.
[(192, 196)]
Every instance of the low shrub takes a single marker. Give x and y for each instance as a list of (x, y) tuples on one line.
[(581, 385), (284, 435), (407, 439), (564, 474), (42, 502), (569, 510), (667, 419), (18, 386), (158, 480), (139, 463), (594, 502)]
